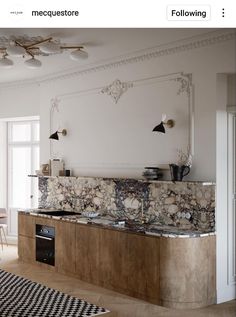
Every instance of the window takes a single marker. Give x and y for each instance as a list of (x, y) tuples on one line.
[(23, 160)]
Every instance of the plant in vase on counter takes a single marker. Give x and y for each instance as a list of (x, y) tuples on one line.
[(182, 168)]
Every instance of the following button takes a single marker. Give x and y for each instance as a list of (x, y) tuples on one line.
[(188, 13)]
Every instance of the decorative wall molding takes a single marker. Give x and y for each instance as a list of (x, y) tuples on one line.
[(160, 51), (185, 81), (176, 47), (185, 86), (54, 107), (116, 89), (55, 104)]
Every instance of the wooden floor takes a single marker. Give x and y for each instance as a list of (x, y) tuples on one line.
[(119, 305)]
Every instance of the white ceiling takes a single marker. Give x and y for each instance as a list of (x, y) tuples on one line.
[(101, 44)]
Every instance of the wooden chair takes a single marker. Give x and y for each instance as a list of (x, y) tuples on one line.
[(3, 226)]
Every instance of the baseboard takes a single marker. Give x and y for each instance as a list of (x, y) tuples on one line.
[(226, 294)]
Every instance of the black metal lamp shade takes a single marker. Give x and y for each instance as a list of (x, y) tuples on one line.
[(54, 136), (160, 128)]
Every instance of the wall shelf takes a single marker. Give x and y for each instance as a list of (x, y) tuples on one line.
[(128, 179)]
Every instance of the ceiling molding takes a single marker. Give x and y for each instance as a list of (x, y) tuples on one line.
[(176, 47)]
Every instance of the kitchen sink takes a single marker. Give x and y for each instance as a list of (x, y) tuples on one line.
[(58, 213)]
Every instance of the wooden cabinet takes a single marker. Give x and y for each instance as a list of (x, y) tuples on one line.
[(26, 249), (113, 260), (64, 242), (188, 271), (142, 256), (26, 240), (176, 273), (26, 225), (65, 247), (88, 266), (125, 262)]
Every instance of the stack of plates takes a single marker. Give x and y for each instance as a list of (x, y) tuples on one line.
[(152, 173)]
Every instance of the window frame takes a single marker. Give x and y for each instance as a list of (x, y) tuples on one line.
[(33, 144)]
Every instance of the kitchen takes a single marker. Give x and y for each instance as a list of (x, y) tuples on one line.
[(138, 136)]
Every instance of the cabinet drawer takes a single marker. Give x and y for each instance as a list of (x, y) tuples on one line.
[(26, 225)]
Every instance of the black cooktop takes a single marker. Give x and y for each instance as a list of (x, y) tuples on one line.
[(58, 213)]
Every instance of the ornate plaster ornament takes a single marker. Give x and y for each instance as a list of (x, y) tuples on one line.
[(116, 89), (55, 104), (185, 82)]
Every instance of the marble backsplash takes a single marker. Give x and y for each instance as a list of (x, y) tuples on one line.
[(189, 205)]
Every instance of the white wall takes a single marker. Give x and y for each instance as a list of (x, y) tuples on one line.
[(203, 62), (231, 90), (19, 101), (117, 136)]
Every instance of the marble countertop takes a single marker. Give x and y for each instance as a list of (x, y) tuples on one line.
[(121, 225)]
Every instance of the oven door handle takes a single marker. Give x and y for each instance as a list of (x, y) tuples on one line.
[(45, 238)]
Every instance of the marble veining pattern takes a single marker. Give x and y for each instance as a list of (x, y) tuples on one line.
[(187, 205), (109, 223)]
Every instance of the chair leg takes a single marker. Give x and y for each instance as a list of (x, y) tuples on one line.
[(1, 237), (4, 234)]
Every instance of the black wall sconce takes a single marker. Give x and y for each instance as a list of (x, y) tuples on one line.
[(55, 135), (161, 126)]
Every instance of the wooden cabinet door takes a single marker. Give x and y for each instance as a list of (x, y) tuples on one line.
[(112, 258), (26, 249), (88, 254), (26, 225), (121, 261), (130, 264), (142, 259), (65, 245)]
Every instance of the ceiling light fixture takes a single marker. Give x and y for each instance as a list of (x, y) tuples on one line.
[(33, 63), (50, 48), (15, 51), (6, 62), (40, 47), (55, 135), (161, 126), (78, 54)]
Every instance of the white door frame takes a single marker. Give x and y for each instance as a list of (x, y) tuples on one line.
[(225, 213), (12, 210), (232, 197)]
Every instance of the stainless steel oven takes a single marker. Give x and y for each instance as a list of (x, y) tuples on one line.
[(45, 244)]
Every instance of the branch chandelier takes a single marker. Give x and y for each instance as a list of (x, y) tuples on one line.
[(42, 47)]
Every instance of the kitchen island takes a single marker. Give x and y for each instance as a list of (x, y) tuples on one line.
[(160, 265)]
